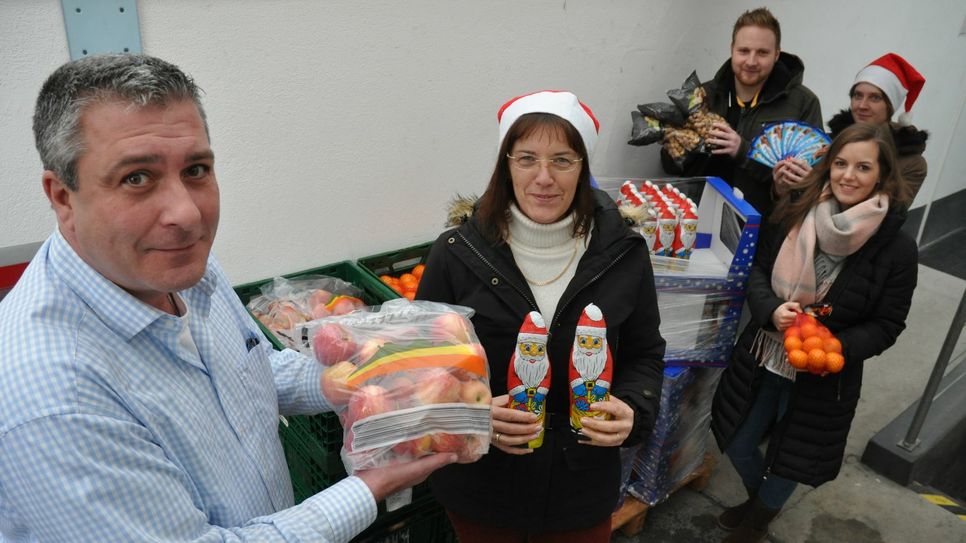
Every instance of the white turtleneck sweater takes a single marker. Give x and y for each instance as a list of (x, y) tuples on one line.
[(542, 251)]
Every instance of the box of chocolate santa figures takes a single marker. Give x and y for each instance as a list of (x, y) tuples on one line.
[(702, 238)]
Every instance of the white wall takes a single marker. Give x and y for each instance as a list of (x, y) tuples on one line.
[(343, 128)]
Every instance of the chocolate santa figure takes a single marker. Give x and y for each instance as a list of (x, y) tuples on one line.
[(649, 231), (666, 222), (528, 377), (591, 366), (689, 233)]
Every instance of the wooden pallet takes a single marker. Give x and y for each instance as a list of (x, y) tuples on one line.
[(630, 517)]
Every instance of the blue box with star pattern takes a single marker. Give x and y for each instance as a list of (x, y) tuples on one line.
[(700, 299)]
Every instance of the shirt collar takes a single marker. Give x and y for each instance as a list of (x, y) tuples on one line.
[(116, 308)]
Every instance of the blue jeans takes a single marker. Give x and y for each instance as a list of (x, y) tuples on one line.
[(769, 406)]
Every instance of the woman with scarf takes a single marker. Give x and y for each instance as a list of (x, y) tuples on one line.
[(838, 242), (887, 86), (555, 277)]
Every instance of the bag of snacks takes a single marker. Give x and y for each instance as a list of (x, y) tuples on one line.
[(408, 380), (645, 130)]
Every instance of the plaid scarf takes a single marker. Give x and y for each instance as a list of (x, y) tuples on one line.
[(835, 232)]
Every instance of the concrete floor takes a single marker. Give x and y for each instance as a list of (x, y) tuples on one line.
[(859, 506)]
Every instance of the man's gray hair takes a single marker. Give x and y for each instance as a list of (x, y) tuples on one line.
[(138, 80)]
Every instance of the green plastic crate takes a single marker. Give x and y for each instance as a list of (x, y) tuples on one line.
[(423, 521), (393, 263), (312, 442)]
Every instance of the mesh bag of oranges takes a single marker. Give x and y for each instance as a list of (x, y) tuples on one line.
[(811, 347)]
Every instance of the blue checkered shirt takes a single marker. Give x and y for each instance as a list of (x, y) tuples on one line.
[(110, 430)]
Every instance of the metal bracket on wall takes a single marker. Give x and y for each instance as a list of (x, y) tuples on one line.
[(101, 26)]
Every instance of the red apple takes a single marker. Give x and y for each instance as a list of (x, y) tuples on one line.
[(332, 343), (319, 297), (368, 401), (470, 451), (370, 347), (443, 442), (436, 385), (414, 448), (319, 311), (334, 386), (340, 305), (475, 392), (450, 327)]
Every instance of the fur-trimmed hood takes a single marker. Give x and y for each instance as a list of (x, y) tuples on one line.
[(461, 208), (909, 139)]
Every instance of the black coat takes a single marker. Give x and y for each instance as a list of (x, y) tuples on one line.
[(562, 485), (782, 98), (870, 300)]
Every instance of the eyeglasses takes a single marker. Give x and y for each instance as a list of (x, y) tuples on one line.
[(559, 164), (873, 98)]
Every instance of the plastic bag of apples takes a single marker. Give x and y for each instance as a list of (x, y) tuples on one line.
[(285, 304), (811, 347), (408, 380)]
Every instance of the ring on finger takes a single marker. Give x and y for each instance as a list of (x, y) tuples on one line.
[(496, 437)]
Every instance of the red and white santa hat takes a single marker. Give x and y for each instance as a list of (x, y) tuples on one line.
[(591, 322), (897, 79), (533, 329), (563, 104)]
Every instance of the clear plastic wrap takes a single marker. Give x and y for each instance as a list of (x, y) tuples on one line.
[(678, 442), (408, 380)]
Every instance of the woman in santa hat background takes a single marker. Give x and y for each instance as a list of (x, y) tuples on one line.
[(542, 239), (888, 86)]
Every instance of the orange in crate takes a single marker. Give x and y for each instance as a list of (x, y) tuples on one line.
[(406, 284)]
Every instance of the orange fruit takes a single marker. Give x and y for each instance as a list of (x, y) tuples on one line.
[(410, 295), (805, 318), (824, 332), (834, 362), (396, 288), (813, 342), (832, 345), (408, 278), (808, 330), (798, 359), (793, 331), (793, 343), (386, 279), (418, 270), (816, 360)]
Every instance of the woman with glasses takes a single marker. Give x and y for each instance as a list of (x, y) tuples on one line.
[(886, 86), (541, 239), (838, 243)]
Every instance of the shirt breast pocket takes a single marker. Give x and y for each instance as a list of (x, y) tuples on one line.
[(259, 385)]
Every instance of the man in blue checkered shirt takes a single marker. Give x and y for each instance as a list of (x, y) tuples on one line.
[(138, 401)]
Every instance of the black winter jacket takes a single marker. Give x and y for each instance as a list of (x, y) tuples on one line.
[(782, 98), (910, 144), (870, 300), (562, 485)]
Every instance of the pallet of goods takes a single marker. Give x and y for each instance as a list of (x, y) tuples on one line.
[(702, 237)]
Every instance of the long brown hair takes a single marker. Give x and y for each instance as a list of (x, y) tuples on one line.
[(494, 209), (791, 210)]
